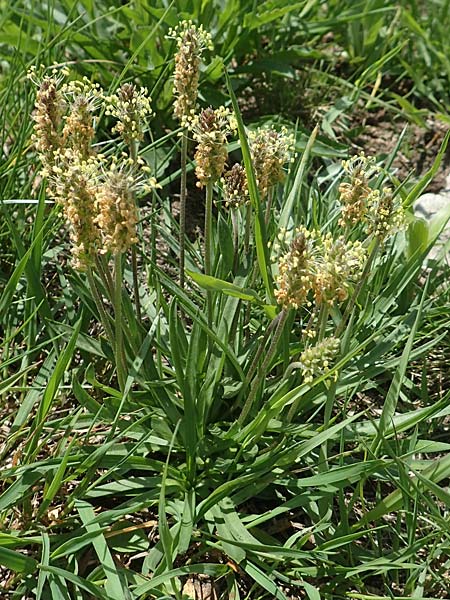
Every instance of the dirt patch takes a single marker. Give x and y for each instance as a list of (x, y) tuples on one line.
[(378, 133)]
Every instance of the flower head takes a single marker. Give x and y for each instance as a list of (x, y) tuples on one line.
[(192, 41), (316, 360), (83, 99), (235, 186), (317, 267), (115, 204), (270, 150), (74, 184), (385, 215), (50, 106), (130, 107), (117, 215), (296, 269), (211, 129), (341, 264), (353, 195)]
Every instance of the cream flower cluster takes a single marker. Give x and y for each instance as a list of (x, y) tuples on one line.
[(192, 41), (379, 211), (316, 360), (211, 129), (270, 150), (50, 107), (235, 188), (131, 107), (84, 99), (95, 192), (317, 267), (74, 183), (353, 195), (385, 215)]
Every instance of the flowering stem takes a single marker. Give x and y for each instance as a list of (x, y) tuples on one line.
[(133, 154), (323, 465), (105, 275), (268, 207), (248, 309), (248, 219), (134, 268), (323, 319), (208, 249), (120, 357), (280, 322), (104, 318), (184, 141), (259, 352), (310, 321), (340, 328), (234, 220)]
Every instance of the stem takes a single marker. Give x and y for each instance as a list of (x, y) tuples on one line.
[(104, 318), (184, 141), (137, 300), (260, 350), (323, 318), (268, 207), (310, 321), (323, 451), (153, 240), (234, 220), (340, 328), (134, 268), (208, 250), (105, 275), (248, 309), (254, 364), (281, 318), (294, 406), (120, 357), (248, 219)]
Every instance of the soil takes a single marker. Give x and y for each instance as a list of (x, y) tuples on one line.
[(379, 134), (375, 131)]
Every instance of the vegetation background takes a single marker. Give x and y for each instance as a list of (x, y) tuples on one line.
[(330, 489)]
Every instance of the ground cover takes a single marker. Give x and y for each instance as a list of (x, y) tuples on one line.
[(223, 350)]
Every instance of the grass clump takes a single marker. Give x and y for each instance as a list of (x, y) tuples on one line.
[(259, 419)]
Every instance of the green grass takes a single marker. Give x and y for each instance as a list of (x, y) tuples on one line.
[(136, 486)]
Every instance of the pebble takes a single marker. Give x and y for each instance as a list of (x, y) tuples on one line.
[(428, 205)]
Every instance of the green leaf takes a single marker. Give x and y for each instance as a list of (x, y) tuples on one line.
[(313, 593), (78, 581), (187, 523), (57, 479), (231, 529), (57, 376), (210, 569), (113, 585), (259, 223), (393, 394), (75, 544), (438, 469), (263, 580), (167, 539), (418, 234), (225, 244), (21, 488), (294, 194), (11, 286), (44, 561), (269, 11), (17, 562), (207, 282)]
